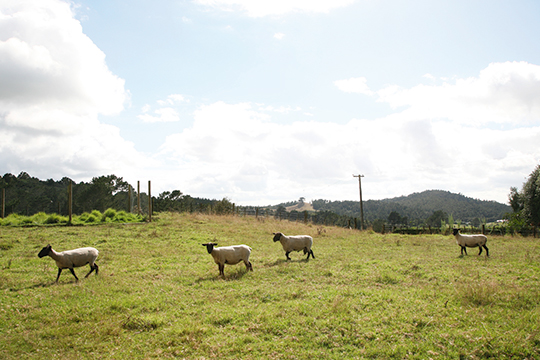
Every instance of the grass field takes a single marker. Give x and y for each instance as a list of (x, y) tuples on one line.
[(365, 295)]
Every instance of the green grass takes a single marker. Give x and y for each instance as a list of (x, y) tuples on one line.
[(365, 295)]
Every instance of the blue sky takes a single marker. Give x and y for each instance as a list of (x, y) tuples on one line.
[(269, 101)]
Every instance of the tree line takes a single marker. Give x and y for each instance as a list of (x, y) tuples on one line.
[(27, 195)]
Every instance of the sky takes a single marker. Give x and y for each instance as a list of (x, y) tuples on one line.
[(263, 102)]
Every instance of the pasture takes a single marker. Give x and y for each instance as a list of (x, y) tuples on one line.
[(365, 295)]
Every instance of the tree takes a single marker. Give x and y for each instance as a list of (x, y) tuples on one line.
[(436, 218), (224, 206), (169, 201), (100, 193), (531, 197), (394, 218), (515, 200), (280, 212), (525, 203)]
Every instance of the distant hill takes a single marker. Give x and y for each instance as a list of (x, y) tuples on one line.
[(303, 206), (417, 207)]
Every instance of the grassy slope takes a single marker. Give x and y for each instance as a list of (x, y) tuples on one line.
[(365, 295)]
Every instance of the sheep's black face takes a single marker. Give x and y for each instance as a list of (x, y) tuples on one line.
[(45, 251), (455, 231), (209, 247), (277, 236)]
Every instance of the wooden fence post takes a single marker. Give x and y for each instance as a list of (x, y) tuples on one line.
[(3, 202), (70, 200), (138, 197), (129, 198), (149, 202)]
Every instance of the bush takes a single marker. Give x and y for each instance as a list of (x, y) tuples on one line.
[(84, 216), (38, 218), (55, 219), (95, 217), (109, 214), (91, 219)]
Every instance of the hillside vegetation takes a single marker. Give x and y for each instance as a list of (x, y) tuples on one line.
[(365, 295), (26, 195), (418, 207)]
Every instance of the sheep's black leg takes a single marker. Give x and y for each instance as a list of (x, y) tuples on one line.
[(311, 252), (221, 270), (287, 255), (249, 267), (487, 251), (480, 250), (73, 272), (464, 249), (92, 268), (59, 272)]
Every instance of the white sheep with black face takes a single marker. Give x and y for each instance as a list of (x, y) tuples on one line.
[(70, 259), (466, 241), (295, 243), (229, 255)]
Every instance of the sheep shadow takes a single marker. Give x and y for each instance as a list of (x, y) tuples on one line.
[(282, 261), (30, 287), (230, 276)]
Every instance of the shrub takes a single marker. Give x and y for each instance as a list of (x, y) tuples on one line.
[(53, 219), (84, 216), (108, 214), (38, 218)]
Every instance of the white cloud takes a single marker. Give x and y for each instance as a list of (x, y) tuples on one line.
[(503, 93), (55, 83), (166, 114), (172, 100), (354, 85), (238, 151), (279, 36), (277, 7), (42, 44)]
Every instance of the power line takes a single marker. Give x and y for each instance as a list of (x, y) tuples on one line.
[(361, 206)]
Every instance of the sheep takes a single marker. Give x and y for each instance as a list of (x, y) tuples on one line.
[(295, 243), (230, 255), (471, 241), (70, 259)]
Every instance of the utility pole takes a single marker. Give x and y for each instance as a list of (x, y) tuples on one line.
[(361, 206)]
